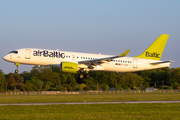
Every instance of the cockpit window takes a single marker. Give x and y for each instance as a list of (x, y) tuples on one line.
[(15, 52)]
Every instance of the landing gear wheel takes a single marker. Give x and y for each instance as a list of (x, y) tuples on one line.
[(87, 76), (81, 76), (16, 71)]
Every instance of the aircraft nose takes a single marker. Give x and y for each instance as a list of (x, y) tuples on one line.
[(6, 57)]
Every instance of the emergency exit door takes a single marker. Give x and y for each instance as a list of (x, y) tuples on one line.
[(135, 63)]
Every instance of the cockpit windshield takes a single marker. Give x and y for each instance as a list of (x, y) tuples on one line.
[(15, 52)]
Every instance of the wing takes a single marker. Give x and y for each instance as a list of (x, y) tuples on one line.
[(93, 63)]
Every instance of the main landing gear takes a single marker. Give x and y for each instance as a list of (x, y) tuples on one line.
[(81, 75), (17, 65)]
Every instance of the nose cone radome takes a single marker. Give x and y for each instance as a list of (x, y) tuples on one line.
[(6, 57)]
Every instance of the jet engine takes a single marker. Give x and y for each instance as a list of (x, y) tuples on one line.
[(66, 67)]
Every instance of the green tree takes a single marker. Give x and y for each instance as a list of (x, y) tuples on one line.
[(67, 87), (71, 81), (26, 75), (35, 71), (118, 87), (175, 79), (146, 75), (130, 80), (2, 81), (160, 77), (112, 79), (64, 77), (90, 83), (49, 78), (99, 77), (82, 86), (18, 78), (10, 81), (37, 82), (29, 86), (104, 87), (18, 81)]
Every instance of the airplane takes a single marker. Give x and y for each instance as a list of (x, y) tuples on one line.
[(75, 61)]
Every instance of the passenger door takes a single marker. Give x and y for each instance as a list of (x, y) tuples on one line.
[(27, 54)]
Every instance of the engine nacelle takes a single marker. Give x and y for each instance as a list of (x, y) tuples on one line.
[(68, 67), (55, 69)]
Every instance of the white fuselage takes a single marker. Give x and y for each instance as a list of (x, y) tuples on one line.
[(54, 58)]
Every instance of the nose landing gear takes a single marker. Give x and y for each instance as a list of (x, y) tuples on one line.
[(17, 65)]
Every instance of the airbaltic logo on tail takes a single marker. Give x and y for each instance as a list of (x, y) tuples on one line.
[(155, 55), (46, 53)]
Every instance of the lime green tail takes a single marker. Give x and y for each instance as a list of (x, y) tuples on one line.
[(155, 50)]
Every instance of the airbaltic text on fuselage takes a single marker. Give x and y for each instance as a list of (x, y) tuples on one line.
[(47, 53), (155, 55)]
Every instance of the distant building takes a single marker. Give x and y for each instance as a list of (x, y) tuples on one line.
[(112, 89), (150, 89)]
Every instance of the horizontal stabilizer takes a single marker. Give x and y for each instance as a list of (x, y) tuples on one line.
[(156, 63)]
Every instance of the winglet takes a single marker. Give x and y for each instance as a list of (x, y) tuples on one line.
[(124, 54)]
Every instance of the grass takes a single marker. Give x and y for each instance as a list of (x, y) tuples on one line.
[(153, 111), (93, 111), (89, 97)]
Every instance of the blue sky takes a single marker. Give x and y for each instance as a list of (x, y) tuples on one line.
[(94, 26)]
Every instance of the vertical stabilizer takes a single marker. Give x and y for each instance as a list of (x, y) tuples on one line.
[(155, 50)]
